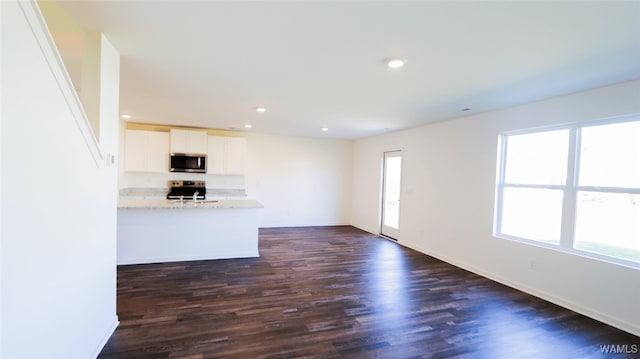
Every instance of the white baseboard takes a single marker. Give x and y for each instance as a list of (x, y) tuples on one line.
[(284, 225), (148, 260), (576, 307), (105, 338)]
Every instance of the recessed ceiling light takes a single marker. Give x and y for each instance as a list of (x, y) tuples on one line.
[(325, 129), (126, 116), (396, 63), (248, 125), (260, 109)]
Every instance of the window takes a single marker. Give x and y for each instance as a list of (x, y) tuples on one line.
[(574, 187)]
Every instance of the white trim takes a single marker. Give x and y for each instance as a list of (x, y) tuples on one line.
[(570, 188), (573, 306), (1, 202), (535, 186), (499, 188), (105, 338), (579, 124), (569, 250), (38, 26), (298, 225), (569, 195), (150, 260), (608, 189), (393, 233)]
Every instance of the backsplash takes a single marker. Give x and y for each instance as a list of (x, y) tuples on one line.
[(161, 192), (143, 192), (159, 180)]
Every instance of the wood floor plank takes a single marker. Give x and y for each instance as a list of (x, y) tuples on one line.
[(339, 292)]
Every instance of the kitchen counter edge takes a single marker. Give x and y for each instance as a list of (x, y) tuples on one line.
[(176, 204)]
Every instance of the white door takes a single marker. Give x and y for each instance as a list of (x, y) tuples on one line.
[(391, 175)]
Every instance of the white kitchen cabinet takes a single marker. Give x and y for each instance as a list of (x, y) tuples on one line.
[(146, 151), (158, 155), (215, 154), (228, 229), (135, 150), (226, 155), (188, 141)]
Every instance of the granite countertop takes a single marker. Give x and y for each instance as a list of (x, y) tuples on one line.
[(177, 204), (161, 192)]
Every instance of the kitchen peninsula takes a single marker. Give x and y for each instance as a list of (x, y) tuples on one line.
[(160, 230)]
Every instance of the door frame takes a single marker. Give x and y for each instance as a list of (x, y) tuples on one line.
[(393, 234)]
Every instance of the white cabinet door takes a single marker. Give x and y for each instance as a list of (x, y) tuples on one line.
[(226, 155), (135, 150), (215, 154), (158, 152), (235, 155), (197, 142), (188, 141), (146, 151)]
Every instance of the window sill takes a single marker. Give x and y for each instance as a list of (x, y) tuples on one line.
[(572, 251)]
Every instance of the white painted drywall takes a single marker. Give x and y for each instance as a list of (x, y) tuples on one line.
[(1, 189), (58, 208), (300, 181), (449, 174)]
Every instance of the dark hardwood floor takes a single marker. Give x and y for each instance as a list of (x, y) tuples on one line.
[(338, 292)]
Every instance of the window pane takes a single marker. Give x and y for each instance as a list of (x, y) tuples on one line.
[(537, 158), (610, 155), (609, 224), (532, 214)]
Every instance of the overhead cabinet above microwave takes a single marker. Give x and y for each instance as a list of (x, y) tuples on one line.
[(188, 141), (151, 151)]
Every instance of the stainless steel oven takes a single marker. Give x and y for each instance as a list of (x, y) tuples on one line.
[(187, 190)]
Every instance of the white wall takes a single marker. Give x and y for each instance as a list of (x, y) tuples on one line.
[(300, 181), (58, 209), (1, 186), (449, 173)]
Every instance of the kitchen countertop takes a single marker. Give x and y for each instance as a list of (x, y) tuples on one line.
[(177, 204), (161, 193)]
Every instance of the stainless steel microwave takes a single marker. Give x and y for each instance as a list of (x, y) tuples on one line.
[(187, 162)]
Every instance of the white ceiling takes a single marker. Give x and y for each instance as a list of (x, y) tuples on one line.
[(314, 64)]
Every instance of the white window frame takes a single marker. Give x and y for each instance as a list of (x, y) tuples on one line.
[(570, 188)]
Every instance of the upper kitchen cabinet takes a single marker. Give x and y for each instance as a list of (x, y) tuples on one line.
[(226, 155), (188, 141), (146, 151)]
